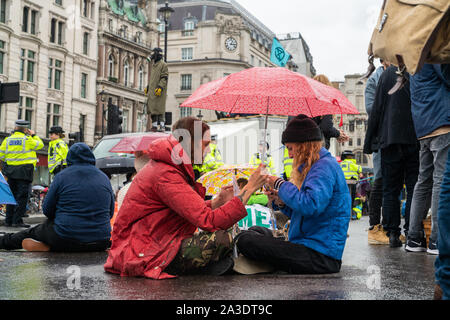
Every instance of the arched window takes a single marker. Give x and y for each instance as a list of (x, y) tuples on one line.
[(126, 75), (141, 78), (111, 63)]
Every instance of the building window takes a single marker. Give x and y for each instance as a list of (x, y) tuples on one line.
[(85, 43), (350, 142), (29, 20), (186, 82), (140, 119), (358, 142), (25, 110), (59, 2), (56, 31), (27, 62), (126, 71), (2, 56), (351, 126), (189, 27), (187, 53), (3, 11), (110, 24), (185, 112), (252, 60), (141, 78), (125, 117), (54, 114), (82, 126), (83, 85), (111, 63), (54, 72), (85, 8)]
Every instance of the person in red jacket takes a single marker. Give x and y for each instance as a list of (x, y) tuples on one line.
[(154, 234)]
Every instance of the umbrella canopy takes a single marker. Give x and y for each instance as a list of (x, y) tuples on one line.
[(270, 91), (134, 143), (213, 181)]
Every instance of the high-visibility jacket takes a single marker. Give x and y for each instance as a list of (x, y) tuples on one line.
[(212, 161), (358, 208), (287, 162), (57, 154), (256, 161), (20, 149), (351, 169)]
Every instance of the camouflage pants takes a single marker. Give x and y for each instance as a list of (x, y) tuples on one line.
[(200, 250)]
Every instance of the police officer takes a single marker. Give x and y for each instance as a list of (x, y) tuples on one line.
[(57, 150), (18, 151), (351, 171), (256, 158), (287, 163), (213, 159)]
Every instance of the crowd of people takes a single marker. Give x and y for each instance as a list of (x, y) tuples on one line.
[(166, 226)]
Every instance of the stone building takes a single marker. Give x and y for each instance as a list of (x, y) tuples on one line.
[(127, 33), (50, 48), (354, 125), (302, 60), (208, 40)]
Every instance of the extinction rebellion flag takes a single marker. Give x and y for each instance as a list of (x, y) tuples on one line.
[(279, 56)]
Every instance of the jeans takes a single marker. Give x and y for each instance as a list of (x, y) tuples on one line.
[(377, 173), (400, 165), (21, 191), (45, 233), (433, 157), (442, 263), (284, 255)]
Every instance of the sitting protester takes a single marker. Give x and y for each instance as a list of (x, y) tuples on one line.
[(79, 205), (317, 201), (154, 234)]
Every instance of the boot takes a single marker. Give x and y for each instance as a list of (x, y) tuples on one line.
[(394, 240)]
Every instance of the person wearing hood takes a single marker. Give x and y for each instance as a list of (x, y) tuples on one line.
[(317, 201), (79, 205), (154, 233)]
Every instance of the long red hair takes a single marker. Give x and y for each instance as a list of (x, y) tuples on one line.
[(306, 154)]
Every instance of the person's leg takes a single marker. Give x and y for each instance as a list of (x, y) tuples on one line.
[(284, 255), (41, 232), (439, 146), (375, 202), (411, 173), (442, 263), (22, 188), (392, 167), (197, 252)]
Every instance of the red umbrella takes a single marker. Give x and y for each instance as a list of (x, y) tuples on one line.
[(134, 143), (270, 91)]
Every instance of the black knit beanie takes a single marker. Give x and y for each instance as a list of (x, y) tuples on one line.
[(301, 129)]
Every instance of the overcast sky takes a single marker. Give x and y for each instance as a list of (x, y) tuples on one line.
[(337, 32)]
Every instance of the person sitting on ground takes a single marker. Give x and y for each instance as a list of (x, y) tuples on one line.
[(154, 235), (79, 205), (256, 198), (317, 201)]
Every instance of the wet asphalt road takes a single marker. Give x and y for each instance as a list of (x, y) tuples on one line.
[(368, 273)]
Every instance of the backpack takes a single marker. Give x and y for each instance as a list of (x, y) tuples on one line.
[(410, 33)]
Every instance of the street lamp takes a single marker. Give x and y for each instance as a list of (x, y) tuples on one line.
[(166, 11)]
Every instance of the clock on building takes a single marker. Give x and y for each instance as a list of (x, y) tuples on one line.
[(231, 43)]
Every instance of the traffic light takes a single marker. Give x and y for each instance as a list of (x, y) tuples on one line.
[(115, 119)]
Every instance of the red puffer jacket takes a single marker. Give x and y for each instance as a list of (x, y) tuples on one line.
[(163, 206)]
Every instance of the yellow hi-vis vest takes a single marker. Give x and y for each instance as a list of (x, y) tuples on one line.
[(287, 164), (57, 154), (19, 149), (256, 161), (351, 169), (213, 160)]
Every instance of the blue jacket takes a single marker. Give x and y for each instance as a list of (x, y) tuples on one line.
[(80, 199), (320, 211), (371, 89), (430, 99)]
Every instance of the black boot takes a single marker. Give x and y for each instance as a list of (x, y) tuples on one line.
[(394, 240)]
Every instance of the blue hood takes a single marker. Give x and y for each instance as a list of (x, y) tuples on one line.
[(80, 153)]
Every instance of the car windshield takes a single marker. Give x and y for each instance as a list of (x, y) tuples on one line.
[(101, 150)]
